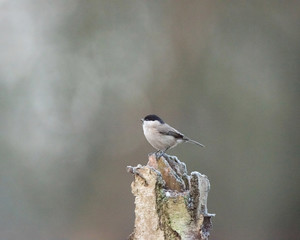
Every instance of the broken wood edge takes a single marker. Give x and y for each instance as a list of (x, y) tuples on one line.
[(175, 214)]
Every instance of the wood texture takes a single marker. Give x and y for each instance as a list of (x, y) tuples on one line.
[(169, 203)]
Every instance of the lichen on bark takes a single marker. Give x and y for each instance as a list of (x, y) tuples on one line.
[(169, 203)]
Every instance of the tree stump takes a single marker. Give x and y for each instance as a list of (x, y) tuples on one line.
[(169, 203)]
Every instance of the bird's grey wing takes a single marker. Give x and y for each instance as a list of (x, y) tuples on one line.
[(168, 130)]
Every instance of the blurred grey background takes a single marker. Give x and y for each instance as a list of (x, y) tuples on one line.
[(76, 77)]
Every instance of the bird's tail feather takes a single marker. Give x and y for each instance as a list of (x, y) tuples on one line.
[(192, 141)]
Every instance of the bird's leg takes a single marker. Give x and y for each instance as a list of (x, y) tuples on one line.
[(162, 152), (158, 154)]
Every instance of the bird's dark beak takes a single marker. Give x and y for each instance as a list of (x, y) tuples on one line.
[(142, 120)]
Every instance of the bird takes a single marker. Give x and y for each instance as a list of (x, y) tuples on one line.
[(162, 136)]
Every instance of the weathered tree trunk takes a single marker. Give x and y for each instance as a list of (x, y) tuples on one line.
[(169, 204)]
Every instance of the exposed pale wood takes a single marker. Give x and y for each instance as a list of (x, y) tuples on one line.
[(169, 203)]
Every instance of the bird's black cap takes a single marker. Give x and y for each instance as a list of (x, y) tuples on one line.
[(153, 117)]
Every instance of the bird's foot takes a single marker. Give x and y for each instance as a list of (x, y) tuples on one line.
[(159, 154)]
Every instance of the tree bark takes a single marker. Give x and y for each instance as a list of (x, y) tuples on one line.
[(169, 203)]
